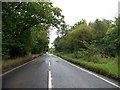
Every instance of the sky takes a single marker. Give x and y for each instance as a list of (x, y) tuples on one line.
[(90, 10)]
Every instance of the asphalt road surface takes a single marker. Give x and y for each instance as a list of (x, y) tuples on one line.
[(50, 71)]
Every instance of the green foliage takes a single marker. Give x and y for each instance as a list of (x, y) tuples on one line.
[(39, 40), (94, 46), (51, 50), (98, 37), (74, 39), (25, 27), (106, 66)]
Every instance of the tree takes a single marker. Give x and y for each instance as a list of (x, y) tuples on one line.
[(98, 37), (73, 41), (19, 18)]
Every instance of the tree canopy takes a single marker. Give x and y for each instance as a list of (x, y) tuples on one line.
[(100, 36), (25, 26)]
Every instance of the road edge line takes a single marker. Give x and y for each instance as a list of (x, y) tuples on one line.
[(90, 73), (16, 68)]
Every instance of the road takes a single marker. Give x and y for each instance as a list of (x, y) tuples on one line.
[(50, 71)]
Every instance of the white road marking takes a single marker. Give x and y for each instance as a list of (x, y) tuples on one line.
[(49, 80), (50, 54), (91, 73), (16, 68), (49, 64)]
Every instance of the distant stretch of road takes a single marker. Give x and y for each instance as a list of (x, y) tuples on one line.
[(50, 71)]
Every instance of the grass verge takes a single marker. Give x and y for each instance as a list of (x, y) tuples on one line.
[(12, 63), (109, 69)]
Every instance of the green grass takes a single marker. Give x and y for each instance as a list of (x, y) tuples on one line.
[(12, 63), (109, 68)]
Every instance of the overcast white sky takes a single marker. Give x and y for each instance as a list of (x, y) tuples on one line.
[(90, 10)]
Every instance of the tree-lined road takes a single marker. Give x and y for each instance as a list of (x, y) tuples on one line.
[(52, 71)]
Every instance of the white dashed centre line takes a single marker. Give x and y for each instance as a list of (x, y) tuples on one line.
[(49, 77), (50, 81), (49, 64)]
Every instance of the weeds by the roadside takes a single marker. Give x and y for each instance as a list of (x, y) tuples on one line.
[(105, 66), (11, 63)]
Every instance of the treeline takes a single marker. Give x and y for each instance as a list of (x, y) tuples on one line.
[(98, 37), (25, 27)]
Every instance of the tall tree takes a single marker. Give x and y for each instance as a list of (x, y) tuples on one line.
[(20, 17)]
